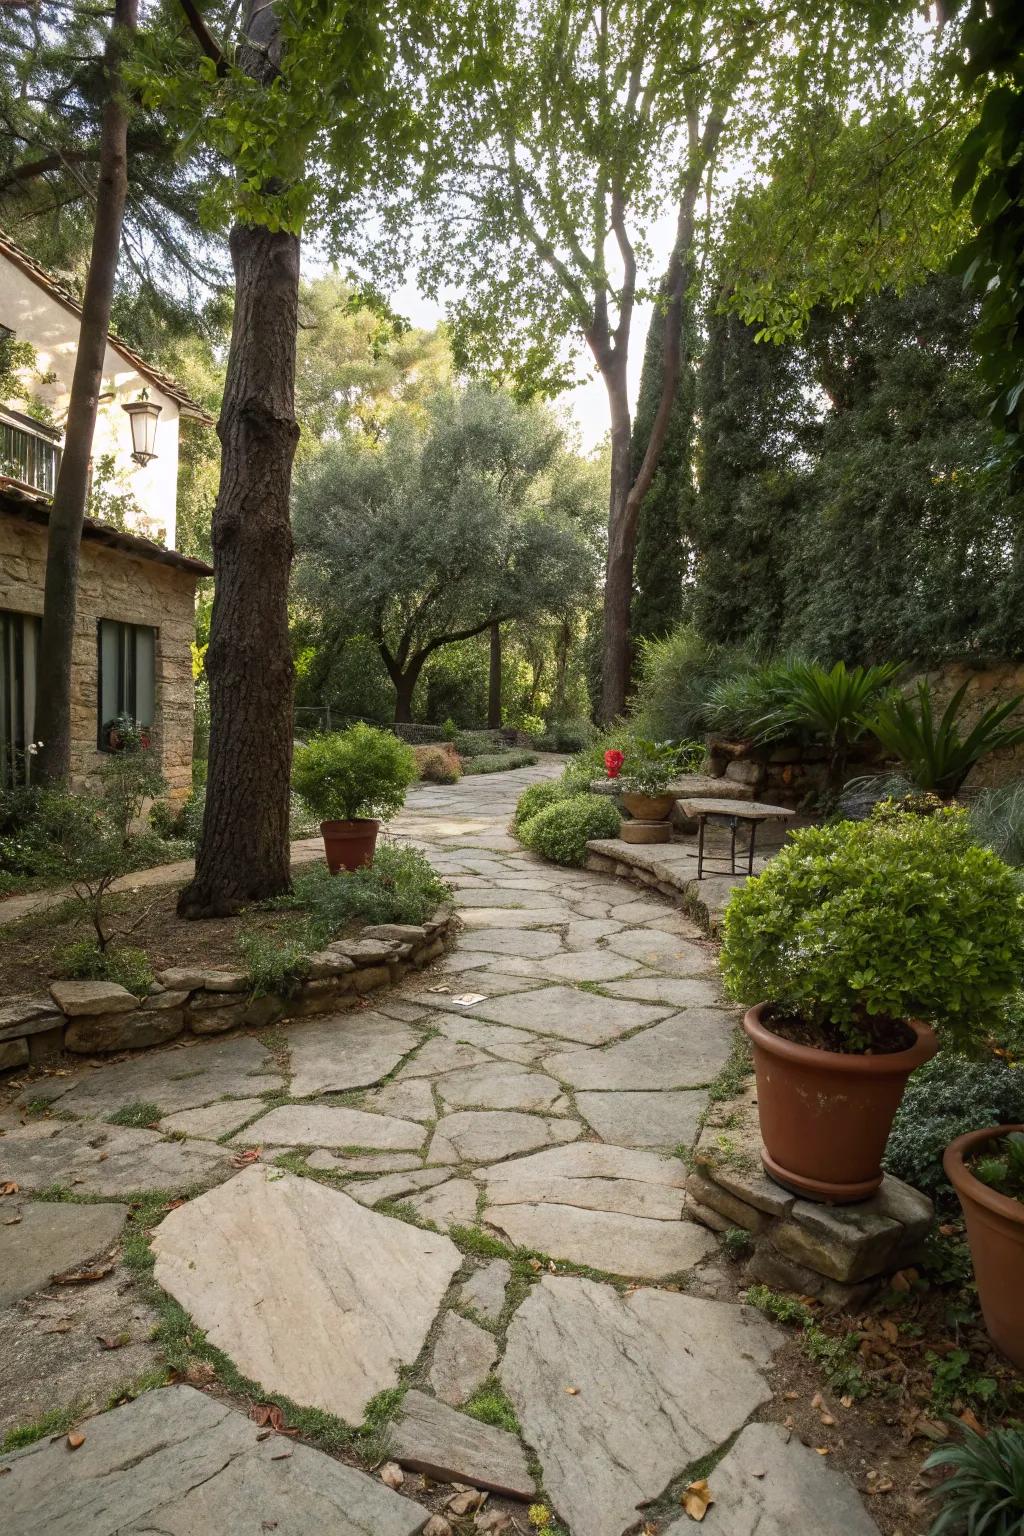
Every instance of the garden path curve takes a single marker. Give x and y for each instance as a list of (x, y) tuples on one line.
[(468, 1189)]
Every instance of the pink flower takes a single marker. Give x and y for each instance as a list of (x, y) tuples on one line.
[(613, 761)]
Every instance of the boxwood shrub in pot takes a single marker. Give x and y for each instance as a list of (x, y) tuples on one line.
[(352, 780), (861, 946), (986, 1168)]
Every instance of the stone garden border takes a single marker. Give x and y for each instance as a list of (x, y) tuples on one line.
[(93, 1017)]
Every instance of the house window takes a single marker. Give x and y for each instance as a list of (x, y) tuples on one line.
[(28, 455), (127, 676), (19, 646)]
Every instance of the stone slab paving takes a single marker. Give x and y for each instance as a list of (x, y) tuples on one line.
[(463, 1356), (40, 1239), (105, 1160), (179, 1463), (534, 1083), (308, 1293), (335, 1052), (449, 1446), (181, 1078), (769, 1484), (660, 1380)]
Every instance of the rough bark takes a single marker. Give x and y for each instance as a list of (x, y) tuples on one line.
[(494, 681), (53, 685), (243, 852)]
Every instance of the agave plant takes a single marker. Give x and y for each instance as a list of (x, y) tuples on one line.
[(984, 1496), (935, 755)]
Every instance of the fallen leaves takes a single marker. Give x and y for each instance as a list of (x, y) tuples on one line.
[(391, 1475), (8, 1187), (250, 1155), (437, 1525), (269, 1415), (697, 1499), (83, 1276), (113, 1341), (75, 1440), (465, 1501)]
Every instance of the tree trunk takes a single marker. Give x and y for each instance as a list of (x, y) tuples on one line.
[(53, 685), (618, 583), (405, 687), (494, 681), (243, 852)]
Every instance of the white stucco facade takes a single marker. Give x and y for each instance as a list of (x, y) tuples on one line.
[(37, 315)]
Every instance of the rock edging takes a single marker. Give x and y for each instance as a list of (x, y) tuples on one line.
[(93, 1017)]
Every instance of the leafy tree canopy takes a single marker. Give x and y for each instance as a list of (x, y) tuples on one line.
[(444, 529)]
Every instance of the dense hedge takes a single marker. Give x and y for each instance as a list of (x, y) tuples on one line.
[(561, 831)]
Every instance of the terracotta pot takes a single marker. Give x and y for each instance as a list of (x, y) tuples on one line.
[(995, 1231), (648, 807), (349, 844), (646, 831), (825, 1116)]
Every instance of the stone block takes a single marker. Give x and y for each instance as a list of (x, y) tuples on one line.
[(46, 1043), (82, 998), (216, 1020), (371, 976), (13, 1053), (843, 1243), (326, 963), (261, 1011), (191, 978), (745, 771), (159, 1002), (327, 995), (737, 1212), (438, 919), (365, 952), (423, 954), (122, 1031), (23, 1016), (400, 933)]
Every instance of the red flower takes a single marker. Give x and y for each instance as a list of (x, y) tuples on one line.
[(613, 761)]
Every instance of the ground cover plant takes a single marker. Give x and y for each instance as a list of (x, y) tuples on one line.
[(946, 1098)]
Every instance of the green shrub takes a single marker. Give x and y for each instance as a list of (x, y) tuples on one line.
[(897, 917), (478, 743), (746, 703), (536, 797), (676, 676), (275, 964), (984, 1495), (438, 765), (531, 725), (357, 772), (934, 753), (945, 1098), (400, 886), (562, 831), (997, 819), (564, 736), (127, 966), (500, 762), (449, 730)]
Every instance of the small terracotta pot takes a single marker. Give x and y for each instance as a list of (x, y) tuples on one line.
[(646, 831), (349, 844), (995, 1231), (648, 807), (825, 1116)]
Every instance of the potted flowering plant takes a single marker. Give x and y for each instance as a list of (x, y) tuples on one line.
[(351, 780), (986, 1168), (649, 767), (860, 946)]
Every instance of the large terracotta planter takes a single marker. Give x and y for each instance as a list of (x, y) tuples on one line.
[(825, 1116), (648, 807), (349, 844), (995, 1231)]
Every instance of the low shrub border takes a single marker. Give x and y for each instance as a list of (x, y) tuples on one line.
[(93, 1017)]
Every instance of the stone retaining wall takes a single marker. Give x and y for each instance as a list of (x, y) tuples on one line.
[(91, 1017)]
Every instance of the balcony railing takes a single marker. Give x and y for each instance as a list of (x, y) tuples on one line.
[(28, 454)]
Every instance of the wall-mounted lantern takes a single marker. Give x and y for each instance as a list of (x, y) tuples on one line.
[(143, 416)]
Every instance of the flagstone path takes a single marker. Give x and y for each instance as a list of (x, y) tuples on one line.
[(526, 1096)]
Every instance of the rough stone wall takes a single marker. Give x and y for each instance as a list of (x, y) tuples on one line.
[(996, 683), (134, 590)]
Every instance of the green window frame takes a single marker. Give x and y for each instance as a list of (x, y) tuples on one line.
[(126, 676), (19, 648)]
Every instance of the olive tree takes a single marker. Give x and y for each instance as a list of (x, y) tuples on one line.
[(449, 528)]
